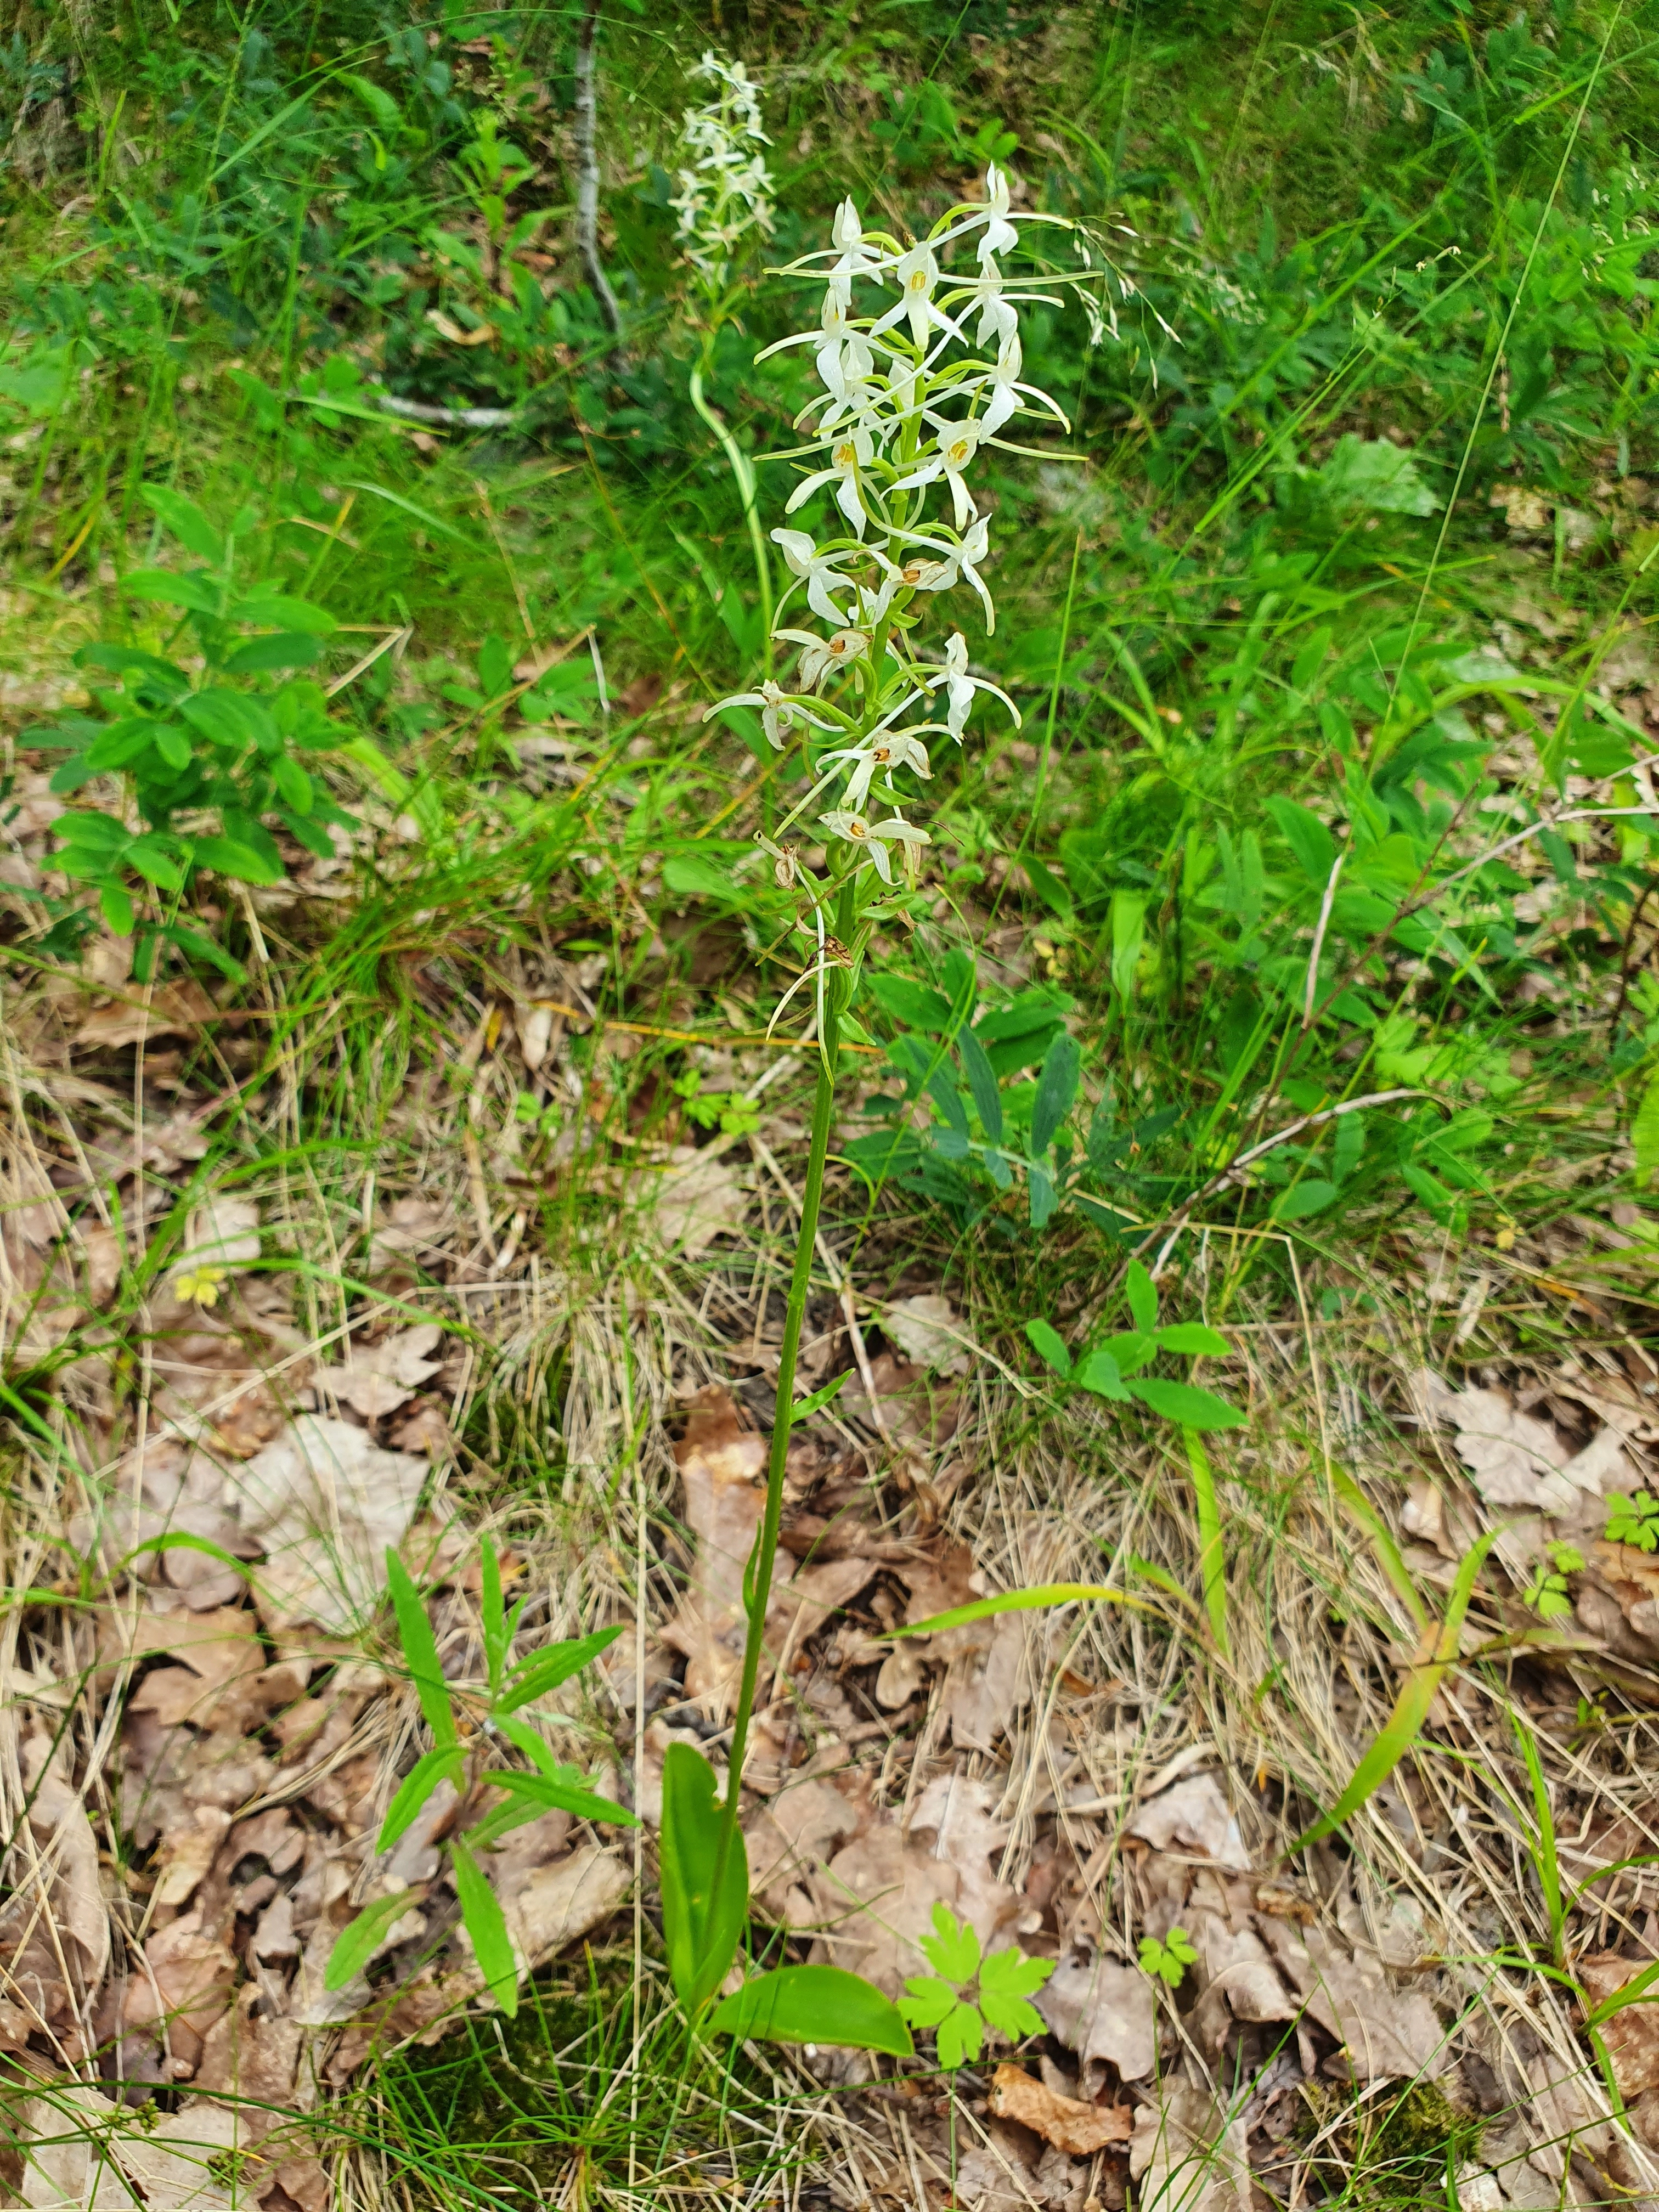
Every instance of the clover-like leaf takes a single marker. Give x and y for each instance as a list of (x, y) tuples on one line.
[(1007, 1980)]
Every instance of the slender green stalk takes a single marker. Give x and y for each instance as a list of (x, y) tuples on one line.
[(742, 470), (759, 1578)]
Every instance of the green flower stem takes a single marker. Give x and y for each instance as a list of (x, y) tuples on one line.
[(742, 470), (765, 1553)]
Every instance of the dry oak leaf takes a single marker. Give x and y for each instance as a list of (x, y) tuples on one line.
[(181, 1986), (1516, 1459), (188, 1849), (1068, 2122), (928, 1330), (323, 1502), (1383, 2034), (59, 1828), (696, 1197), (558, 1903), (1193, 1815), (722, 1460), (376, 1379), (1632, 2036), (130, 1020), (83, 2153), (1102, 2011)]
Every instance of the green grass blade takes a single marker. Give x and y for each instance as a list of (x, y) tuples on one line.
[(1024, 1601), (1212, 1553)]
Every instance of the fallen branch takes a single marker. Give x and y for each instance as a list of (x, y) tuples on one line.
[(588, 171)]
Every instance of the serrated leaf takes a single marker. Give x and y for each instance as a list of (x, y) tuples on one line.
[(417, 1785), (1143, 1297), (927, 2000), (420, 1651), (1049, 1347), (953, 1948), (486, 1923), (360, 1938), (816, 2005), (959, 2038)]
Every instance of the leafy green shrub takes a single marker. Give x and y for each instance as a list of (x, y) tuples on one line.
[(208, 757)]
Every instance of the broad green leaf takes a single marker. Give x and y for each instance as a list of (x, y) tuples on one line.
[(293, 784), (1098, 1371), (433, 1767), (257, 656), (117, 907), (562, 1797), (119, 745), (914, 1004), (1056, 1089), (173, 745), (388, 116), (952, 1949), (983, 1082), (545, 1670), (1195, 1339), (1007, 1980), (1307, 837), (1143, 1297), (185, 521), (1021, 1601), (486, 1923), (1304, 1199), (816, 2005), (1411, 1707), (157, 859), (1049, 1347), (701, 1931), (1130, 1352), (226, 857), (1644, 1135), (1041, 1193), (275, 611), (230, 719), (959, 2037), (1128, 933), (421, 1651), (360, 1938), (194, 593), (691, 875), (1184, 1403)]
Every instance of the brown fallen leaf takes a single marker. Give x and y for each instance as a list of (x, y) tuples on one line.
[(179, 1987), (696, 1196), (323, 1502), (1068, 2122), (1383, 2034), (1193, 1815), (68, 1863), (129, 1020), (1104, 2013), (376, 1379), (928, 1331), (1514, 1458), (1188, 2156), (722, 1460), (1632, 2036), (188, 1849)]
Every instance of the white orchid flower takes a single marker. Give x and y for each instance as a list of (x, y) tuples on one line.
[(954, 451), (1002, 380), (917, 274), (782, 712), (952, 565), (852, 257), (850, 453), (819, 572), (873, 838), (894, 749), (999, 232), (822, 657), (959, 687)]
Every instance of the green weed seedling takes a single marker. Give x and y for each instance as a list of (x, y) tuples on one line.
[(1112, 1368), (1546, 1594), (1007, 1981), (1168, 1960), (1634, 1521), (230, 744), (545, 1785)]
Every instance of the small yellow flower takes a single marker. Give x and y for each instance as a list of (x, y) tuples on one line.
[(200, 1286)]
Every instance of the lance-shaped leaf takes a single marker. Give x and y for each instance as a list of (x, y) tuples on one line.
[(442, 1765), (544, 1671), (701, 1930), (554, 1794), (420, 1651), (360, 1938), (816, 2005), (486, 1923)]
